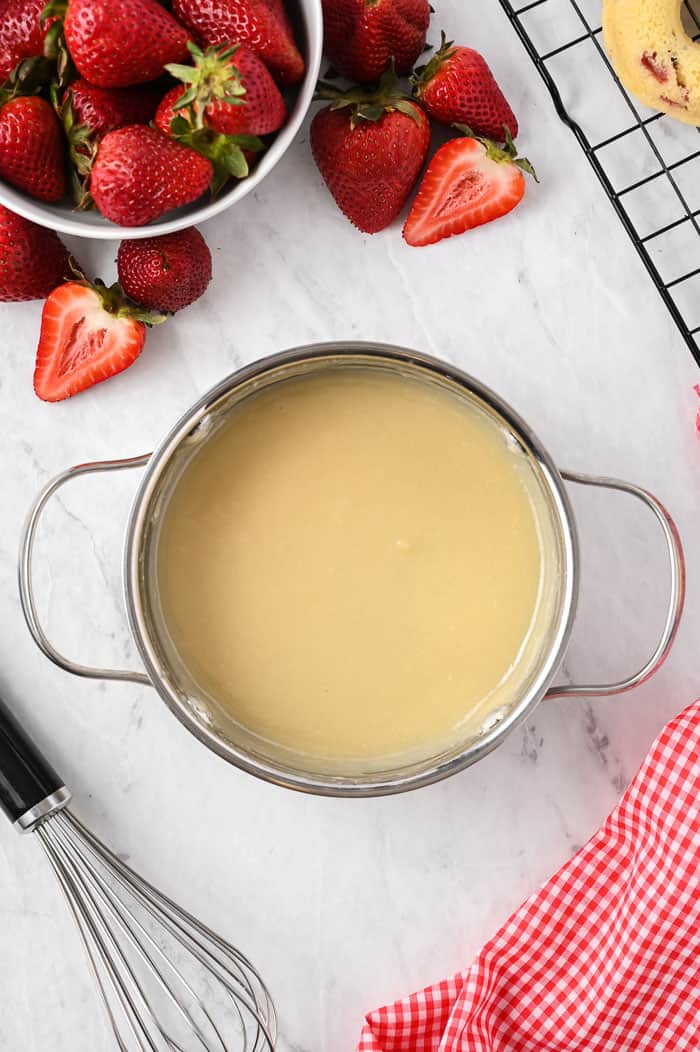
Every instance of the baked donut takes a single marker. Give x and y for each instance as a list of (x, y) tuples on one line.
[(653, 55)]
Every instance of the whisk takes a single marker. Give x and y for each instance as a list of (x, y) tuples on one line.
[(166, 980)]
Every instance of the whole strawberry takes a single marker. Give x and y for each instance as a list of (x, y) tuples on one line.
[(21, 33), (233, 89), (370, 149), (101, 110), (116, 43), (362, 37), (89, 113), (33, 260), (457, 87), (31, 150), (165, 273), (139, 174), (256, 23), (278, 9)]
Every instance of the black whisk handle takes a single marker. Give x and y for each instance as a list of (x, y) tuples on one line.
[(30, 789)]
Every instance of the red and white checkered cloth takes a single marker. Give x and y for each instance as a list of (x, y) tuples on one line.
[(605, 957)]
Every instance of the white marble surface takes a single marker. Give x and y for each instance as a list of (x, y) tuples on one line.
[(345, 904)]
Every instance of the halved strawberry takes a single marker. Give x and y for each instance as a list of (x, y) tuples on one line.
[(88, 333), (469, 182)]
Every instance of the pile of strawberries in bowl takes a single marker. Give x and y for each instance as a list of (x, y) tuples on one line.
[(371, 142), (126, 111)]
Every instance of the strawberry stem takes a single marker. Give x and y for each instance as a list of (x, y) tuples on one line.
[(507, 154), (54, 9), (212, 78), (113, 298), (55, 47), (422, 75), (29, 77), (115, 302), (369, 104), (82, 148)]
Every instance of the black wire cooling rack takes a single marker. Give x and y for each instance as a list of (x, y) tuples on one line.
[(647, 163)]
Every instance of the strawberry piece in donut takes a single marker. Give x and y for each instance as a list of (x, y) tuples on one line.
[(653, 55)]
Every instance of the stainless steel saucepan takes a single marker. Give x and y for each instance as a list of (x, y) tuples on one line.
[(233, 742)]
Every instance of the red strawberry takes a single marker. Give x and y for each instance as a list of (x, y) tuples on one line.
[(468, 182), (115, 43), (278, 9), (139, 174), (164, 118), (33, 260), (457, 86), (252, 22), (101, 110), (21, 33), (89, 113), (370, 149), (363, 36), (165, 273), (31, 151), (214, 83), (88, 333), (235, 89)]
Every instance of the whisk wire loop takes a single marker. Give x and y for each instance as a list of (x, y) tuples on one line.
[(134, 932), (97, 954), (102, 892)]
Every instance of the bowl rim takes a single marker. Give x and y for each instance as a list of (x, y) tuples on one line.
[(34, 210)]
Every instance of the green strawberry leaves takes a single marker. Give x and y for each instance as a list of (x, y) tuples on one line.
[(113, 298), (55, 48), (116, 302), (29, 77), (82, 147), (507, 154), (212, 78), (422, 75), (55, 9), (370, 104), (226, 152)]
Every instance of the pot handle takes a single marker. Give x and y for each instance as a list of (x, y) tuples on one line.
[(676, 596), (26, 587)]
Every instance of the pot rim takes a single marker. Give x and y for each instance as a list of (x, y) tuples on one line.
[(338, 786)]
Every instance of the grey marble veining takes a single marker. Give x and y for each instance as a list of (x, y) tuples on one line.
[(346, 904)]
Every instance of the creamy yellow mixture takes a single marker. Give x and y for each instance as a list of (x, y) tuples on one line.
[(352, 566)]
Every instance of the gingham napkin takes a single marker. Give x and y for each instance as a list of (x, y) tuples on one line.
[(605, 957)]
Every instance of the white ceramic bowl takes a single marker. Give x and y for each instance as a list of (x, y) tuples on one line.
[(308, 23)]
